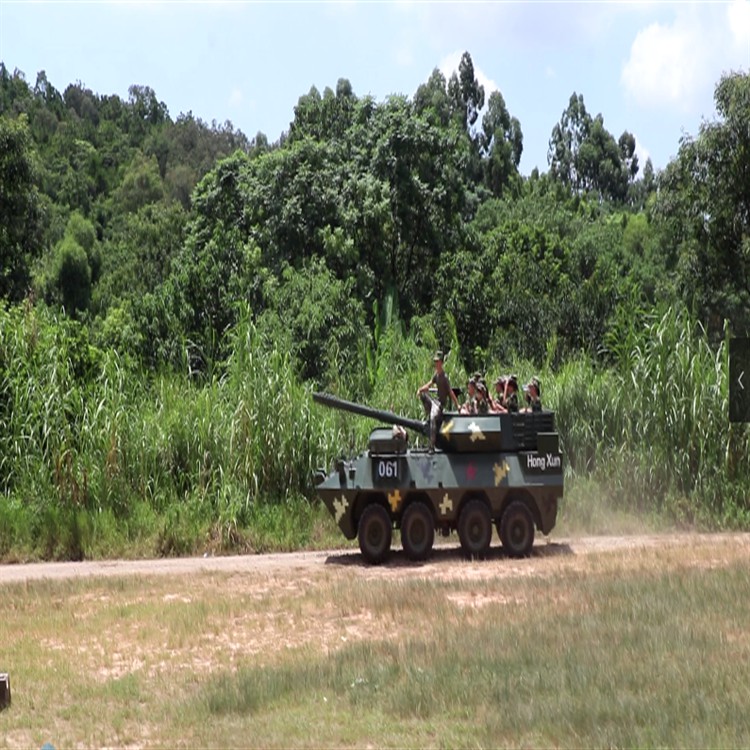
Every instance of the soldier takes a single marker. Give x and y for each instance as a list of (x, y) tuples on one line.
[(469, 406), (483, 399), (434, 412), (498, 404), (533, 395), (511, 394), (440, 380)]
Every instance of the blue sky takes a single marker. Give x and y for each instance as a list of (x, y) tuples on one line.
[(647, 67)]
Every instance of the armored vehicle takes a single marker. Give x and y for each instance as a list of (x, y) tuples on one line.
[(479, 470)]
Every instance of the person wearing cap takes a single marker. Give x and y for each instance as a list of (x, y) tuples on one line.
[(469, 406), (511, 394), (498, 404), (441, 382), (483, 399), (533, 395)]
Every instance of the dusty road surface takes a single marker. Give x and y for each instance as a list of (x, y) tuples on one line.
[(444, 556)]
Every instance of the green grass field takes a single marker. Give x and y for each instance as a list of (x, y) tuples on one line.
[(641, 647)]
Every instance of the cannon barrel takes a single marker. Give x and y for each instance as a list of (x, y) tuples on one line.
[(423, 428)]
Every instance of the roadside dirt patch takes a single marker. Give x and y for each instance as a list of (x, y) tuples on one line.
[(446, 560)]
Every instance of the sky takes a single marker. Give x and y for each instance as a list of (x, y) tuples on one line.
[(647, 67)]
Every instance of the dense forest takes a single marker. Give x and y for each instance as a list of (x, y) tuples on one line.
[(174, 290)]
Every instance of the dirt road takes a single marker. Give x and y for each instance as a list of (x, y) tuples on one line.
[(308, 562)]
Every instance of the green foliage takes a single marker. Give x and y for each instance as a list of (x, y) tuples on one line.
[(502, 143), (20, 228), (703, 209), (82, 435), (137, 255), (537, 271), (140, 186), (319, 315), (655, 427), (72, 275), (585, 157)]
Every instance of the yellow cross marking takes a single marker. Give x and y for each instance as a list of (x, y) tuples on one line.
[(446, 428), (395, 500), (446, 506), (476, 433), (500, 472), (340, 506)]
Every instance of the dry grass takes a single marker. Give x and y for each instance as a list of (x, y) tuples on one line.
[(643, 646)]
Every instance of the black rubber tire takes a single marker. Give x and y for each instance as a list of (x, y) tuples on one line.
[(374, 533), (517, 530), (417, 531), (475, 528)]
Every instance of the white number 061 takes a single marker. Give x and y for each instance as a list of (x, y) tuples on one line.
[(387, 469)]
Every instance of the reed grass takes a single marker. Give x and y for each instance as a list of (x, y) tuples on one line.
[(655, 431)]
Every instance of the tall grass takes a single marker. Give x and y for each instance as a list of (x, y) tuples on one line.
[(657, 427), (87, 444)]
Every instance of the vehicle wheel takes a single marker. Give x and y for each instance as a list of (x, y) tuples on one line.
[(517, 530), (375, 531), (417, 531), (475, 528)]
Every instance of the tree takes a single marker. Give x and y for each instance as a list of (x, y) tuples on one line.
[(566, 140), (83, 232), (502, 145), (326, 117), (584, 156), (703, 209), (72, 276), (21, 225), (140, 186), (145, 111), (465, 92), (137, 253), (320, 314), (431, 100)]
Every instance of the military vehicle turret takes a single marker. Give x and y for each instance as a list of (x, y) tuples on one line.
[(479, 470)]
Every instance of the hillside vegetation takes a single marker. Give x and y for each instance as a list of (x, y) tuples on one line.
[(174, 291)]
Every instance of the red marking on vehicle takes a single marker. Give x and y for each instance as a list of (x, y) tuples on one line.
[(471, 472)]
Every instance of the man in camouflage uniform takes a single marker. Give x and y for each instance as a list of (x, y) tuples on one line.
[(498, 403), (533, 395), (511, 394), (434, 415), (483, 399), (469, 406), (445, 393)]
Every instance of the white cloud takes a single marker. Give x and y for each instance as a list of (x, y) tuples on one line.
[(665, 66), (235, 98), (677, 64), (738, 18)]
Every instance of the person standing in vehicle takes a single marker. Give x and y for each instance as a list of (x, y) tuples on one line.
[(445, 393)]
